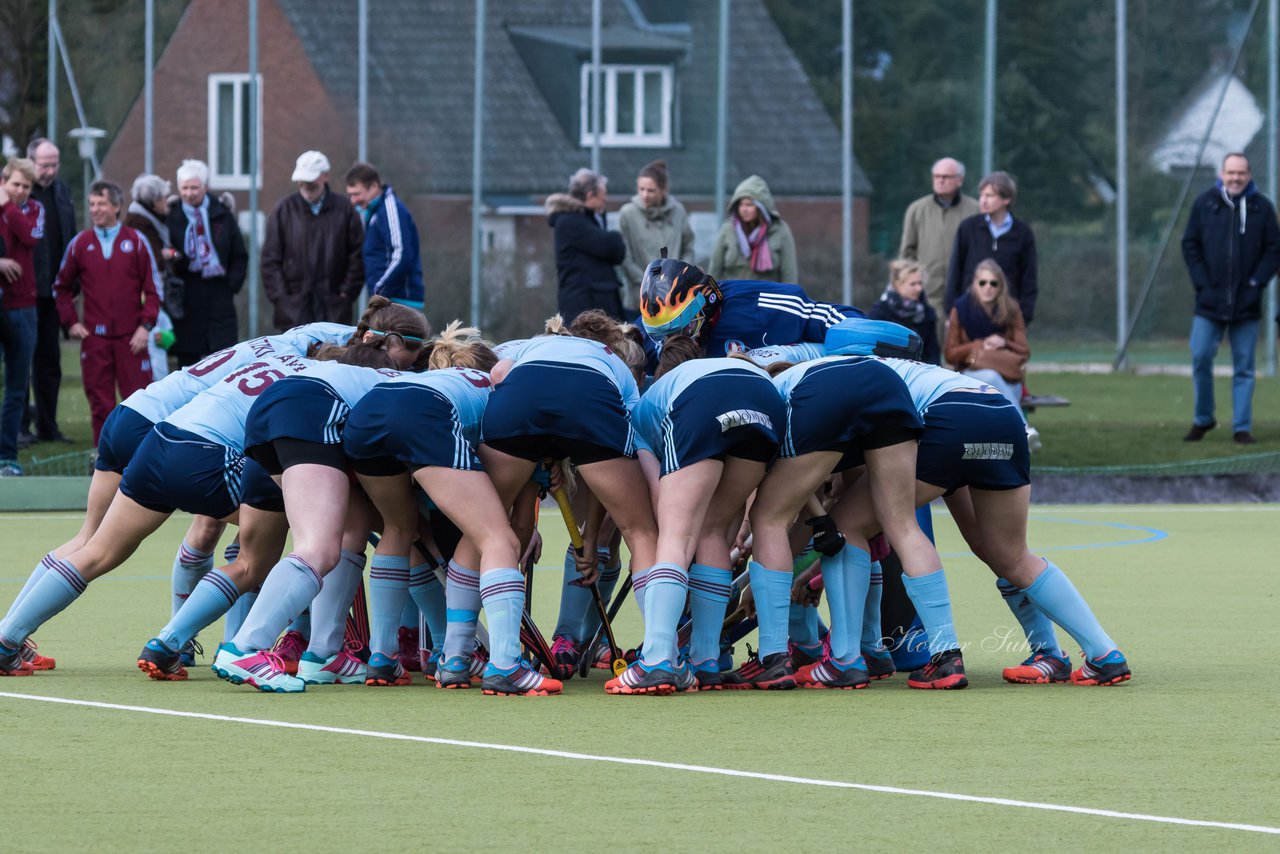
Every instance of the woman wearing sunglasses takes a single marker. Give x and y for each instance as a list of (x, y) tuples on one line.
[(986, 335)]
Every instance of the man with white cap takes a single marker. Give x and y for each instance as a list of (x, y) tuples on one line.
[(312, 269)]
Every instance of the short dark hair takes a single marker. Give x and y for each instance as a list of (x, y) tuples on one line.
[(364, 174), (110, 189), (1003, 184)]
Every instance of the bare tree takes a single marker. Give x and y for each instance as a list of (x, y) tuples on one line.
[(23, 52)]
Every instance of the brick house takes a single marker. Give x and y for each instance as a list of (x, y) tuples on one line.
[(659, 71)]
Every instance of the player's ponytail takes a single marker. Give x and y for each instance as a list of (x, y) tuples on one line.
[(383, 315), (358, 354), (461, 346), (555, 326)]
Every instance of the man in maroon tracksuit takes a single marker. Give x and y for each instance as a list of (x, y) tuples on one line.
[(118, 279)]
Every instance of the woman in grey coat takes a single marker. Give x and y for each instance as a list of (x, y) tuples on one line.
[(651, 220)]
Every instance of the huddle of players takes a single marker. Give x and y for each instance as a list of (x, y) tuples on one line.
[(450, 460)]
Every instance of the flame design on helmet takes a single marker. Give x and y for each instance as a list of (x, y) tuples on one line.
[(673, 294)]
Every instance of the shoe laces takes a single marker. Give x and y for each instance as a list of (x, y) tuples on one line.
[(274, 659), (564, 645), (194, 646), (290, 643)]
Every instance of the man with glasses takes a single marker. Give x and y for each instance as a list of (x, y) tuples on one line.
[(929, 230), (312, 264)]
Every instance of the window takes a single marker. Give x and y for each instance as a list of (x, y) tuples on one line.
[(636, 104), (229, 131)]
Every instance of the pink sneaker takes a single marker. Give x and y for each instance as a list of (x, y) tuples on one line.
[(289, 649), (409, 654)]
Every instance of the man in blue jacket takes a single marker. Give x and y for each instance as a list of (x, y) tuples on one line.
[(1232, 249), (392, 264)]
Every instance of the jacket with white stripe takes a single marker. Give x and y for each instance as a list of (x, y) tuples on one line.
[(392, 264)]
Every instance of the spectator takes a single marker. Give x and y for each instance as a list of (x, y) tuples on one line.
[(59, 227), (120, 286), (986, 336), (21, 227), (929, 229), (651, 220), (586, 251), (211, 263), (995, 234), (754, 242), (147, 212), (392, 265), (904, 302), (1232, 249), (312, 268)]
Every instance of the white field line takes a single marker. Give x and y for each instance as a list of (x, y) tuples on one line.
[(651, 763)]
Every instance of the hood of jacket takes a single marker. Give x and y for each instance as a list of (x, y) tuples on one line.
[(562, 203), (659, 212), (754, 187)]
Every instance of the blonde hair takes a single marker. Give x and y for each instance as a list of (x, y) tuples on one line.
[(1004, 309), (900, 268), (555, 326), (461, 346), (23, 165)]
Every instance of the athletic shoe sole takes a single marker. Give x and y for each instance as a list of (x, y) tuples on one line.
[(223, 673), (154, 671), (947, 683)]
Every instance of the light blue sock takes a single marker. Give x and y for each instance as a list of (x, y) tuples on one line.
[(836, 575), (575, 601), (462, 593), (332, 604), (857, 567), (606, 581), (189, 566), (429, 598), (302, 623), (409, 614), (502, 593), (1036, 625), (388, 591), (665, 591), (61, 585), (235, 615), (290, 586), (802, 626), (933, 603), (709, 588), (215, 593), (1053, 593), (872, 632), (772, 591), (639, 578), (36, 574)]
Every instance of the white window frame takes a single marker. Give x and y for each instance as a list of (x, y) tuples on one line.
[(239, 178), (609, 135)]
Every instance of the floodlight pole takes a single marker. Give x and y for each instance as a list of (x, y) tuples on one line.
[(846, 152), (477, 170), (989, 90), (722, 107), (51, 100), (596, 99), (148, 90), (1122, 179), (362, 85), (255, 281), (1273, 100)]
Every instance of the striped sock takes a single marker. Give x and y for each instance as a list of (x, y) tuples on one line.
[(211, 598), (232, 552), (502, 593), (235, 615), (290, 586), (872, 633), (1036, 625), (708, 598), (61, 585), (36, 574), (639, 578), (189, 566), (462, 595), (388, 590), (666, 588)]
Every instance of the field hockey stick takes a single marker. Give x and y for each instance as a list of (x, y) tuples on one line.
[(619, 664), (731, 628), (584, 663), (531, 636)]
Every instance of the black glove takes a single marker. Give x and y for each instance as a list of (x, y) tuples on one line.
[(827, 538)]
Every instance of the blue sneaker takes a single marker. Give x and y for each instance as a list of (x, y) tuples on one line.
[(190, 649), (659, 680), (1040, 668), (1111, 669), (384, 670), (161, 663), (520, 681)]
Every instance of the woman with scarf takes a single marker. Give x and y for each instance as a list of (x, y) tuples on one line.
[(211, 264), (754, 242), (147, 211), (986, 335), (904, 302), (651, 220)]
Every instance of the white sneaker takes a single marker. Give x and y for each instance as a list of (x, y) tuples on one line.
[(1033, 439)]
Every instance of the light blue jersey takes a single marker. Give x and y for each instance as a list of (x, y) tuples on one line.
[(218, 413), (655, 404), (506, 348), (797, 353), (928, 382), (582, 353), (300, 338), (349, 382), (467, 389), (163, 397)]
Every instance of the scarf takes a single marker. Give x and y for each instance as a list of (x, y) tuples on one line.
[(755, 246), (201, 255), (975, 321), (908, 312), (146, 213)]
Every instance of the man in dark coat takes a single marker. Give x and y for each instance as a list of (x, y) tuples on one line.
[(995, 233), (586, 251), (312, 269), (212, 266), (1232, 249), (59, 228)]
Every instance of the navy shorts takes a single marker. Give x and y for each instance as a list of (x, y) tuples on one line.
[(557, 410), (413, 425), (973, 439), (122, 433), (850, 406), (177, 470), (296, 408), (726, 414), (259, 491)]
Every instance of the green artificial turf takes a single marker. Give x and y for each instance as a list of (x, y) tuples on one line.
[(1190, 599)]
